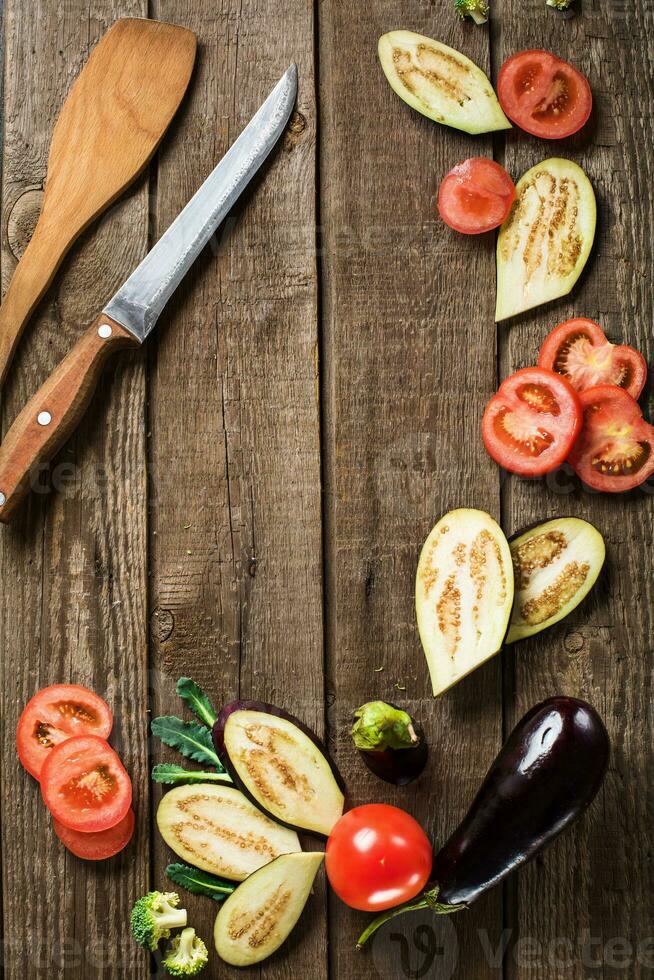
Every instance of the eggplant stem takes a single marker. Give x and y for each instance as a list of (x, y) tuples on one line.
[(412, 732), (428, 901)]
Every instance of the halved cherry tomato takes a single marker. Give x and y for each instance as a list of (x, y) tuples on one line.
[(85, 786), (475, 196), (544, 95), (615, 450), (377, 856), (97, 846), (530, 425), (579, 350), (54, 714)]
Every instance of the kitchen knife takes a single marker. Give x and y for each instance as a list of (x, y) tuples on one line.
[(51, 415)]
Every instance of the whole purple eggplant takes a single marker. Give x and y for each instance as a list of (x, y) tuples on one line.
[(545, 776)]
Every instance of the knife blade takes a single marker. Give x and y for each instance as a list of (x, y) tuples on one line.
[(54, 411)]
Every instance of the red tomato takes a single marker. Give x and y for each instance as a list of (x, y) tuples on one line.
[(475, 196), (101, 845), (615, 450), (544, 95), (530, 425), (579, 350), (55, 714), (84, 784), (377, 856)]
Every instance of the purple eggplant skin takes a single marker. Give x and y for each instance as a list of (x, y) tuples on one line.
[(268, 709), (398, 765), (545, 776)]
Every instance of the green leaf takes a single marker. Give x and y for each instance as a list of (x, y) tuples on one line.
[(175, 775), (200, 882), (192, 740), (197, 701)]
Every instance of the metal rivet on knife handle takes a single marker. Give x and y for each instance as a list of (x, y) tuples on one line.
[(104, 331), (44, 418)]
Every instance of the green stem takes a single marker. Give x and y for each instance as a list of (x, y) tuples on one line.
[(427, 901)]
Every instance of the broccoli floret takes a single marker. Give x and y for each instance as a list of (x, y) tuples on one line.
[(154, 916), (477, 9), (559, 4), (187, 955)]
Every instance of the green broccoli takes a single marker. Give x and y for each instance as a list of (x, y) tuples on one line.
[(187, 955), (477, 9), (559, 4), (154, 916)]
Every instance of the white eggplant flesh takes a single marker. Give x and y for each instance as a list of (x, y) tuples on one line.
[(217, 829), (464, 594), (283, 770), (259, 916), (440, 82), (555, 564), (545, 242)]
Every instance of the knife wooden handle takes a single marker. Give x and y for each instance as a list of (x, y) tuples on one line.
[(50, 416)]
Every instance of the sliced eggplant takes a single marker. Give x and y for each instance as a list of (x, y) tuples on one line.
[(440, 82), (280, 764), (555, 566), (464, 594), (218, 830), (544, 243), (263, 911)]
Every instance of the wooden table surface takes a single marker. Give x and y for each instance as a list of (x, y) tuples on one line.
[(246, 501)]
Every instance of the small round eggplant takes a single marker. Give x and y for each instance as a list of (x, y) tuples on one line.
[(280, 764), (391, 743), (545, 776)]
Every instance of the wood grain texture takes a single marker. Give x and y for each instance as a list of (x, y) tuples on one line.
[(72, 567), (110, 125), (236, 586), (589, 902), (54, 412), (408, 351)]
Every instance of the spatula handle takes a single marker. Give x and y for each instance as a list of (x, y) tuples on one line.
[(53, 413), (31, 278)]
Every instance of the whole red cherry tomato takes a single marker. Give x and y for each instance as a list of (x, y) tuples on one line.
[(377, 856)]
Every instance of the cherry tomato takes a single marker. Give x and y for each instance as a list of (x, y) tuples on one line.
[(615, 450), (475, 196), (530, 425), (544, 95), (84, 784), (579, 350), (100, 845), (54, 714), (377, 856)]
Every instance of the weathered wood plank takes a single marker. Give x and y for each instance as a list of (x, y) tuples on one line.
[(592, 893), (408, 361), (236, 588), (73, 567)]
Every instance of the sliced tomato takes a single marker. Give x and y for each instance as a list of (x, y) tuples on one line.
[(475, 196), (578, 350), (100, 845), (530, 425), (54, 714), (615, 450), (543, 94), (84, 784)]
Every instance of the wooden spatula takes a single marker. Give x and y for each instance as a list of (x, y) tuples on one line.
[(111, 124)]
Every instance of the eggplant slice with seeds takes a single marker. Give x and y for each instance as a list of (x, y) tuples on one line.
[(464, 594), (218, 830), (280, 764), (263, 911), (555, 566), (440, 82)]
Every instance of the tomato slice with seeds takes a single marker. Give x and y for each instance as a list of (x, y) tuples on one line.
[(100, 845), (615, 451), (578, 350), (84, 784), (530, 425), (54, 714), (543, 94), (476, 196)]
